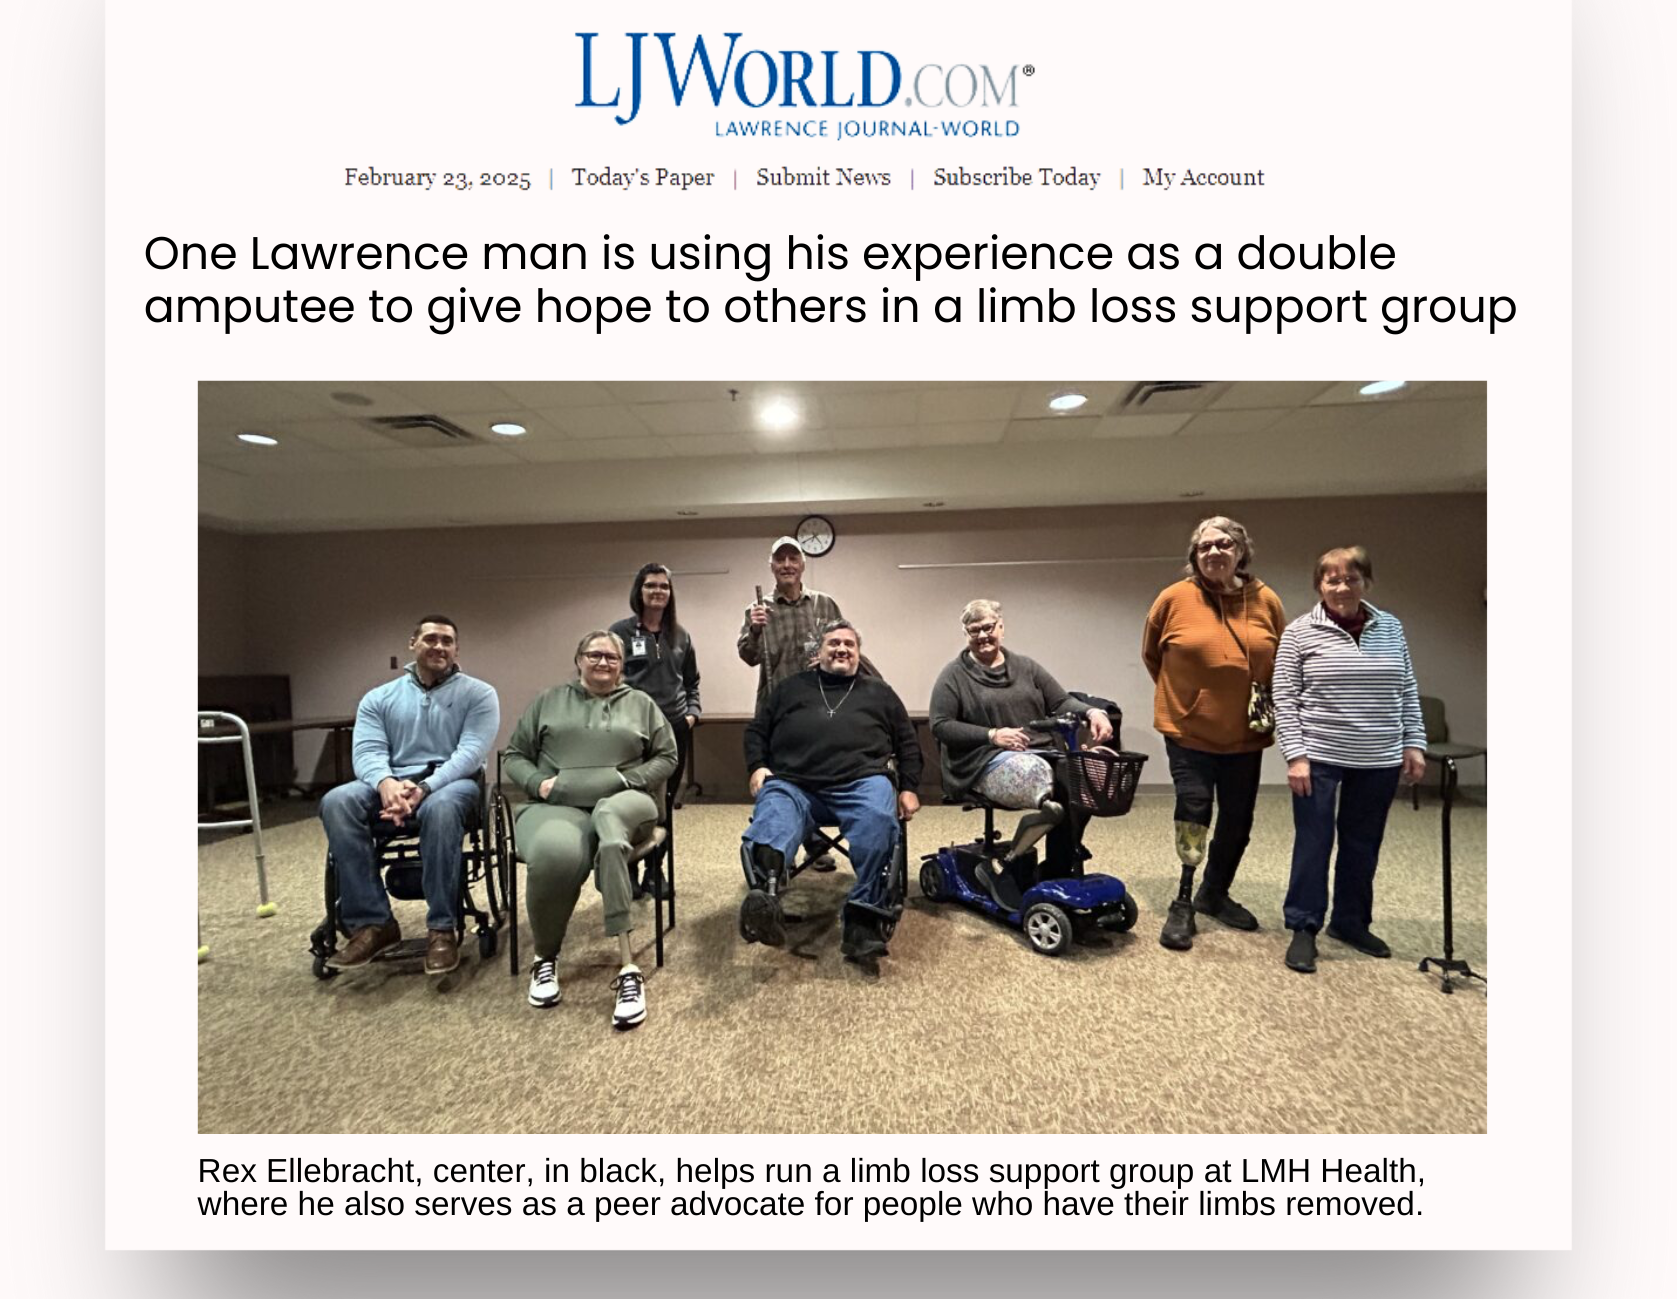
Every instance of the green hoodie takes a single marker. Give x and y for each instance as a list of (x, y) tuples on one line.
[(595, 745)]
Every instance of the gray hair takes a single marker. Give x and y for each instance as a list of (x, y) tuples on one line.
[(977, 609), (1223, 524)]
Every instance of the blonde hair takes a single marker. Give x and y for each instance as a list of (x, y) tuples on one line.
[(977, 609), (593, 636)]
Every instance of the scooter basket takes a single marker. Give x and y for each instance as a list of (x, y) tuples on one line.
[(1102, 782)]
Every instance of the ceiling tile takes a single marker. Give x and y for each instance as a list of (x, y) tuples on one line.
[(1226, 422), (1264, 394), (1141, 426)]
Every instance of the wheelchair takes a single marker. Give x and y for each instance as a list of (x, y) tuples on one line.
[(505, 814), (396, 858), (826, 838), (1053, 908)]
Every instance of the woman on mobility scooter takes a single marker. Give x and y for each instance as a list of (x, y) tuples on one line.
[(980, 707)]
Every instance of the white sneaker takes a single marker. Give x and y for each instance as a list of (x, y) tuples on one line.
[(631, 998), (544, 984)]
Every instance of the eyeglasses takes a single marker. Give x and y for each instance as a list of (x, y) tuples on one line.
[(977, 629), (1350, 581), (1222, 543), (601, 656)]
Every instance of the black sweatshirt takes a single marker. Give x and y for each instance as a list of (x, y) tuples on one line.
[(794, 736)]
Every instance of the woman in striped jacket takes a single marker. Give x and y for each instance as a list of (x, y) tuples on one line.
[(1348, 718)]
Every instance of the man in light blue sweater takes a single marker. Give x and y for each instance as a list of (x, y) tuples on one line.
[(419, 741)]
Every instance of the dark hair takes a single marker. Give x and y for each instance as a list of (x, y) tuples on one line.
[(1346, 556), (441, 619), (669, 630), (836, 624)]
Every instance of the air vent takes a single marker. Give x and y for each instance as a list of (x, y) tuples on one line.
[(1165, 397), (423, 431)]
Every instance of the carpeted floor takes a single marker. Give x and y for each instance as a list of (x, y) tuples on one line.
[(964, 1030)]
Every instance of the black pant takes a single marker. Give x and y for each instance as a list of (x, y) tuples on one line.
[(1232, 778)]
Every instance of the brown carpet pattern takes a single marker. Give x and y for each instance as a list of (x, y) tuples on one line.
[(965, 1029)]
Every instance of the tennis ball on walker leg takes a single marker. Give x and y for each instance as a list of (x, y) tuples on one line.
[(267, 909), (203, 955)]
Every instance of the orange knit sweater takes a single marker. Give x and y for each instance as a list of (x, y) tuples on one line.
[(1204, 650)]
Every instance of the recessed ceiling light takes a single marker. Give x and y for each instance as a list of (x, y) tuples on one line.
[(777, 416), (509, 430), (259, 439), (1064, 401), (1380, 386)]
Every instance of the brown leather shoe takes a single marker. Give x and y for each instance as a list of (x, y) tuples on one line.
[(366, 943), (442, 951)]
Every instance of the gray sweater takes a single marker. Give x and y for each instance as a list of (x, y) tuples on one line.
[(968, 702)]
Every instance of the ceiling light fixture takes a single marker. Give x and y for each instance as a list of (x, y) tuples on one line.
[(508, 430), (778, 416), (1062, 402), (1381, 386), (259, 439)]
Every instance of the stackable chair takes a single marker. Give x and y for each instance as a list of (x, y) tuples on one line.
[(505, 814), (397, 861)]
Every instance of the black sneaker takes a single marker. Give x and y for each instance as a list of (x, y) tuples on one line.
[(1000, 885), (1364, 941), (1301, 952), (761, 921), (1226, 909), (823, 863), (862, 940), (1178, 933)]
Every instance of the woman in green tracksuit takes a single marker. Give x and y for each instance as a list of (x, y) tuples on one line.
[(591, 756)]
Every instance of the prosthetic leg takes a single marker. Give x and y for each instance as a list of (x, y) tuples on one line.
[(1178, 933), (1032, 828)]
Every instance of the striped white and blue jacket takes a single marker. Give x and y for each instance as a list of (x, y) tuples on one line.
[(1341, 701)]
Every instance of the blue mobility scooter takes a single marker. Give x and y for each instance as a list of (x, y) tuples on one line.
[(1052, 912)]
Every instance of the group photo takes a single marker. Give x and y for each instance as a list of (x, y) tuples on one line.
[(876, 757)]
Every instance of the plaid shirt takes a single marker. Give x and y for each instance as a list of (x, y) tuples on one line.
[(777, 652)]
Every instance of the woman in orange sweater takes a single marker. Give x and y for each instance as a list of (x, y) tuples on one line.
[(1210, 648)]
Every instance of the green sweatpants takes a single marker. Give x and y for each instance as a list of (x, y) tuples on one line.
[(561, 845)]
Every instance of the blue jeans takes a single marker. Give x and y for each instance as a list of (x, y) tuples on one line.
[(864, 810), (1364, 795), (351, 813)]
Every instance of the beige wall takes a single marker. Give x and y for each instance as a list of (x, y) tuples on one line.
[(330, 609)]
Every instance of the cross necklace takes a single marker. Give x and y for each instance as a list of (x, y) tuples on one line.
[(833, 708)]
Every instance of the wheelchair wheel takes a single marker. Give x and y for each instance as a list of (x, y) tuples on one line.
[(1124, 919), (486, 943), (1048, 928), (931, 880), (323, 970)]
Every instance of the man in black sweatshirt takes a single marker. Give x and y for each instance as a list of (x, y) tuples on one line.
[(818, 751)]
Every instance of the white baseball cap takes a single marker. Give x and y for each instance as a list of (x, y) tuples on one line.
[(782, 542)]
